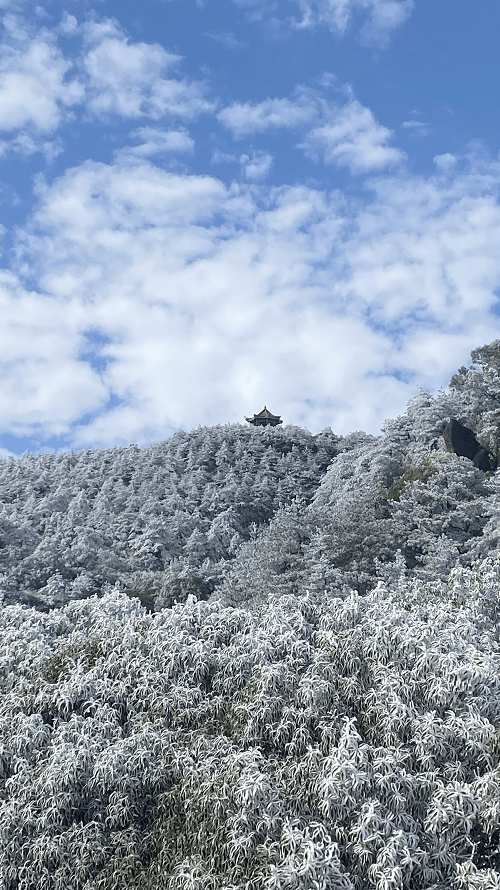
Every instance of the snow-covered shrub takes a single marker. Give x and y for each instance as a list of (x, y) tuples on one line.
[(328, 742)]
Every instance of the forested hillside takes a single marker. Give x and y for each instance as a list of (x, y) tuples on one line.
[(256, 659), (162, 521)]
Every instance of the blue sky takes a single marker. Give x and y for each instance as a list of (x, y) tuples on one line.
[(212, 206)]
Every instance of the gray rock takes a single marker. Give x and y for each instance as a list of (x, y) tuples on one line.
[(461, 440), (483, 461)]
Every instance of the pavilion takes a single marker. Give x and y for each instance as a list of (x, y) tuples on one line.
[(265, 418)]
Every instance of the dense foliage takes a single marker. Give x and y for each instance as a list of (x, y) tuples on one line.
[(161, 520), (319, 710), (338, 743)]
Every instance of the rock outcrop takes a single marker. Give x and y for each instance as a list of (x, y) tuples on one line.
[(461, 440)]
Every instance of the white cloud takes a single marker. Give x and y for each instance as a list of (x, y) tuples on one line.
[(130, 79), (108, 75), (227, 39), (347, 135), (445, 161), (418, 129), (379, 17), (157, 142), (243, 118), (383, 17), (258, 166), (68, 25), (351, 137), (424, 260), (222, 157), (44, 387), (36, 89), (217, 300), (25, 144)]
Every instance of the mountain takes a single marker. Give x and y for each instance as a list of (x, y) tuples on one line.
[(256, 659)]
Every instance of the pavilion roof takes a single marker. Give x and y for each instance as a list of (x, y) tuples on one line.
[(265, 414)]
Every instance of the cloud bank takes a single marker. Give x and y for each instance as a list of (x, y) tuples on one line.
[(212, 299)]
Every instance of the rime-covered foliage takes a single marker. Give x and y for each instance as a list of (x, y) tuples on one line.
[(319, 710), (321, 743), (161, 520)]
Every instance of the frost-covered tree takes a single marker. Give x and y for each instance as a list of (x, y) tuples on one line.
[(479, 390), (128, 514)]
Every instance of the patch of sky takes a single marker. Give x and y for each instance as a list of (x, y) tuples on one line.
[(318, 404), (20, 176), (19, 445), (40, 443), (113, 401), (495, 307), (404, 376), (93, 350), (398, 329), (454, 90), (16, 199)]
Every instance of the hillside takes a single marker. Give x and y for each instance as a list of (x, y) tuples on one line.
[(162, 521), (256, 659)]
